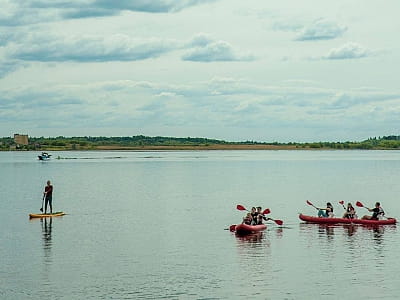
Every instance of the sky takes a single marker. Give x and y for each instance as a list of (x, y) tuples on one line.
[(267, 71)]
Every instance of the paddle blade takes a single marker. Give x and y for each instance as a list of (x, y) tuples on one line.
[(240, 207), (341, 202), (232, 228), (309, 203), (359, 204), (279, 222), (266, 211)]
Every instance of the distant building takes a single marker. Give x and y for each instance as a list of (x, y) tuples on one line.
[(21, 139)]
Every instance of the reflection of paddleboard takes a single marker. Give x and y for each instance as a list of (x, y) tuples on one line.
[(56, 214)]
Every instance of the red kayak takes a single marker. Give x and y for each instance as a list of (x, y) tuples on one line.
[(246, 229), (319, 220)]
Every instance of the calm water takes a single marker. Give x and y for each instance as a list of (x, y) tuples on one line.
[(151, 225)]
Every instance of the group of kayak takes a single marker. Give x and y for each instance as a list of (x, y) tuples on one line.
[(253, 220)]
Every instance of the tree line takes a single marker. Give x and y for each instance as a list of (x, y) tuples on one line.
[(138, 141)]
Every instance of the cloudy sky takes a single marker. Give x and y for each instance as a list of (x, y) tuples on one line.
[(308, 70)]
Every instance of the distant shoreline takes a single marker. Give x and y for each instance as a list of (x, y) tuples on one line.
[(196, 148), (143, 143)]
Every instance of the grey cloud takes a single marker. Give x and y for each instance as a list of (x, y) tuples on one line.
[(321, 30), (22, 12), (152, 6), (89, 49), (9, 66), (345, 100), (348, 51)]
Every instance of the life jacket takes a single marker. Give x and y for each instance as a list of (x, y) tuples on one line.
[(329, 213), (350, 212), (378, 211)]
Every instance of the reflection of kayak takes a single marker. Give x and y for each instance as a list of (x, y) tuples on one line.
[(56, 214), (246, 229), (320, 220)]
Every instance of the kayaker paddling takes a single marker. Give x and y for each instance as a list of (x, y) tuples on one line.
[(248, 219), (326, 212), (350, 212), (377, 212)]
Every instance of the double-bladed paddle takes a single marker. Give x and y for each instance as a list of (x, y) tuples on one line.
[(241, 207), (309, 203), (342, 202)]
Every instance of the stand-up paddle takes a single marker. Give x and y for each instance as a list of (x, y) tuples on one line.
[(41, 209)]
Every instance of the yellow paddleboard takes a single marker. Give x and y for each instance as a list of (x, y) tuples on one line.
[(56, 214)]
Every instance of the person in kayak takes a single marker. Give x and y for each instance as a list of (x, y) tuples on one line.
[(248, 219), (326, 212), (350, 212), (260, 217), (48, 194), (377, 212), (254, 215)]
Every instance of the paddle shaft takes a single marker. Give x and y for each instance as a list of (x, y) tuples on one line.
[(44, 195), (309, 203)]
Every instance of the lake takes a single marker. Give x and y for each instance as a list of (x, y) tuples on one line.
[(152, 225)]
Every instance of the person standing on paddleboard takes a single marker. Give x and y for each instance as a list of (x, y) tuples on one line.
[(48, 194)]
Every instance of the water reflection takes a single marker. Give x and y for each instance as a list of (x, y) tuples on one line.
[(46, 237), (326, 229), (254, 238), (350, 229), (251, 246)]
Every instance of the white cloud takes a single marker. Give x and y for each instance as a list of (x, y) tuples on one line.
[(205, 49), (321, 30), (348, 51)]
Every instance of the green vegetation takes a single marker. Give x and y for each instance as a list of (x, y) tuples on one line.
[(145, 142)]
